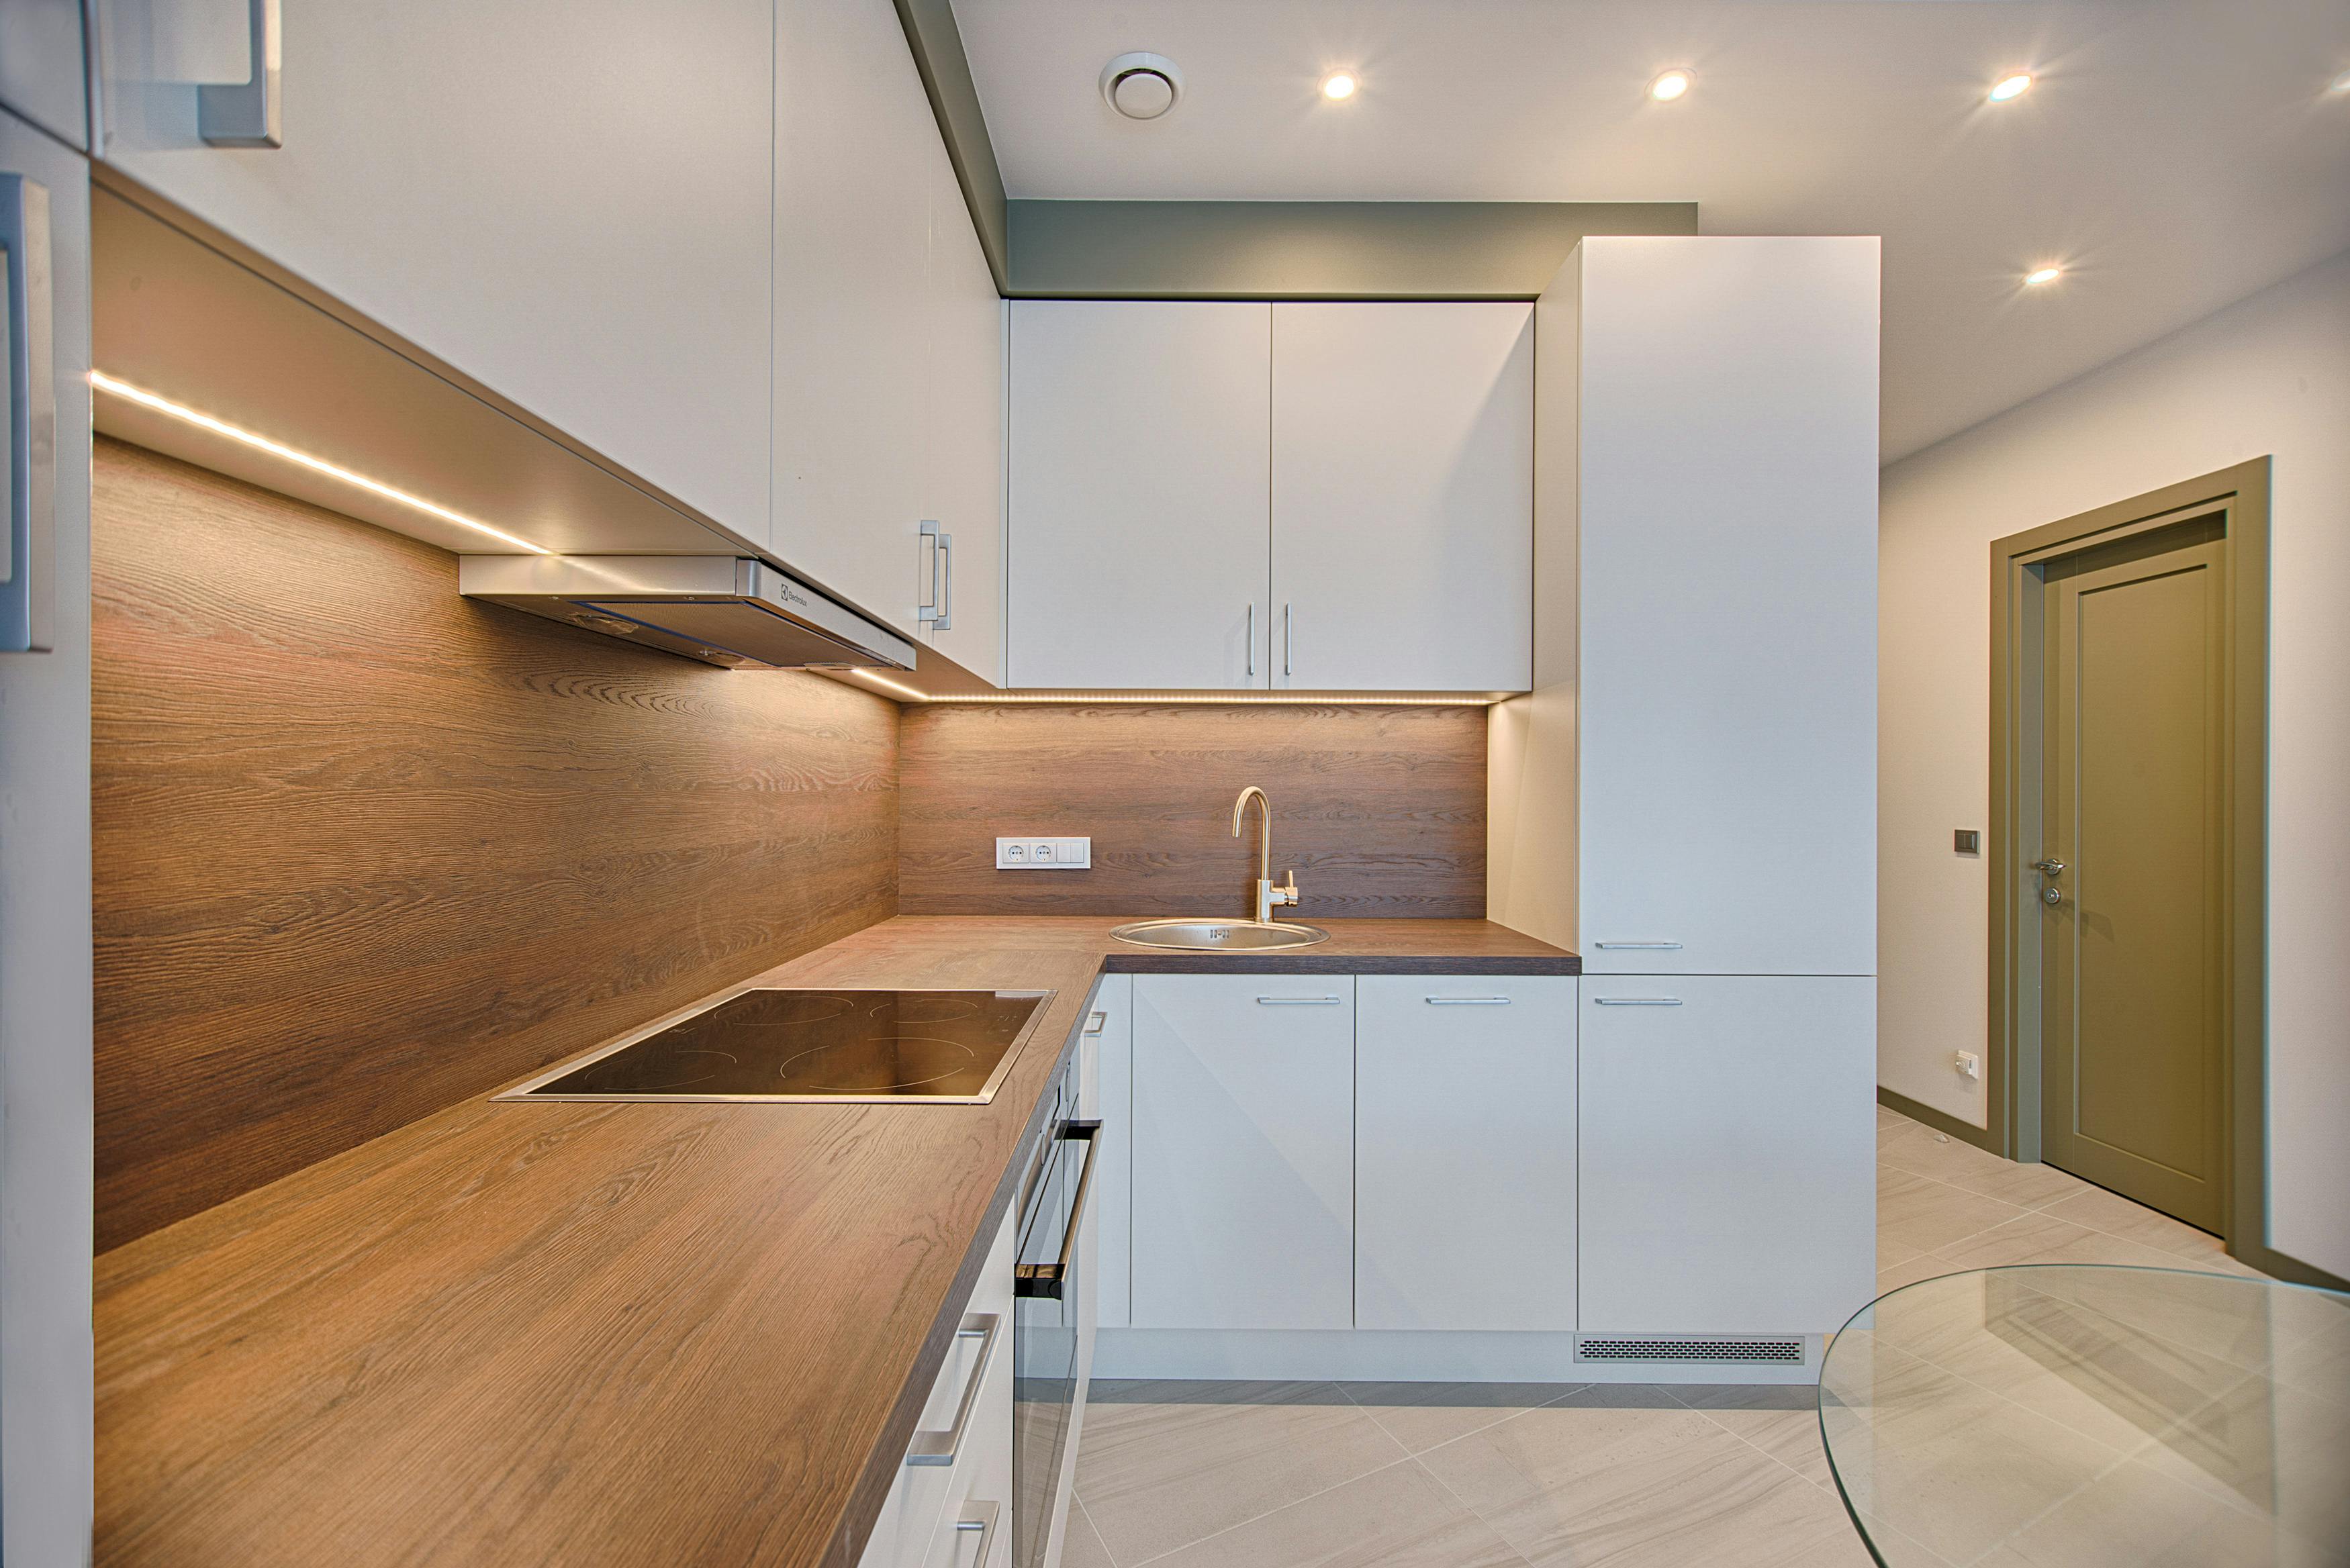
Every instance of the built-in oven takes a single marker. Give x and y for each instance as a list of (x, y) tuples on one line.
[(1053, 1323)]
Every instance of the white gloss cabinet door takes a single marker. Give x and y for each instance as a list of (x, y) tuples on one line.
[(888, 341), (1727, 1153), (569, 205), (1140, 465), (1244, 1151), (1105, 1092), (1726, 513), (1403, 496), (1464, 1161)]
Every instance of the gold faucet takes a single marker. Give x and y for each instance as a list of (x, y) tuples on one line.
[(1267, 895)]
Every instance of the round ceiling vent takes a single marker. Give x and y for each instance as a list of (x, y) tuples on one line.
[(1141, 86)]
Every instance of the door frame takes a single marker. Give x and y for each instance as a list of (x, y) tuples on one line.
[(2011, 1053)]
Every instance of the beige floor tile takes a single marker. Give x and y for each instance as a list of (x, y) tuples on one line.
[(1400, 1517), (1781, 1420), (1422, 1416), (2040, 1238), (2272, 1450), (1084, 1548), (2118, 1216), (1155, 1475), (1887, 1117), (1963, 1165), (1923, 1266), (1889, 1251), (1927, 1214), (2134, 1517), (1631, 1477)]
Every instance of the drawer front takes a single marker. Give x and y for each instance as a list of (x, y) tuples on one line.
[(1464, 1152)]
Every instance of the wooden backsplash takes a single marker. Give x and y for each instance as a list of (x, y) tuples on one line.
[(1380, 809), (364, 847)]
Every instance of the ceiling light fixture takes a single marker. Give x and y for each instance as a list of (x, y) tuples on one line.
[(2041, 274), (1141, 86), (1338, 85), (2011, 86), (1671, 85), (108, 384)]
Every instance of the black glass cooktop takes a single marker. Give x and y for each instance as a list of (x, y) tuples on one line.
[(815, 1045)]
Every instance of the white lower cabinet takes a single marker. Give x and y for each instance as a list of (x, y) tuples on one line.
[(1107, 1092), (958, 1473), (1244, 1151), (1464, 1152), (1726, 1141)]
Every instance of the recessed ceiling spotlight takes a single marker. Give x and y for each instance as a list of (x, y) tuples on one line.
[(2011, 86), (2041, 274), (1671, 86), (1141, 86), (1338, 85)]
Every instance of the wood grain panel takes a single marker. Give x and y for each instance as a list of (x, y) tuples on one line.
[(364, 847), (1380, 809)]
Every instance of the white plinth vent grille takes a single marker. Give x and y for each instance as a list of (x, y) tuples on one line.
[(1785, 1352)]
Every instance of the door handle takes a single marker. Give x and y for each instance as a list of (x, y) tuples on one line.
[(249, 113), (942, 1448), (2049, 867), (938, 613), (29, 432), (1049, 1280)]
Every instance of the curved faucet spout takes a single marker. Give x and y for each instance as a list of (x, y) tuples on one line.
[(1268, 896)]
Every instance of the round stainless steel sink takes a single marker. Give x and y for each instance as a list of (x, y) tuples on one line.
[(1220, 936)]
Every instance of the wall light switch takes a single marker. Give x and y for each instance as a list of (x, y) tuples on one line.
[(1966, 840), (1043, 854), (1969, 1065)]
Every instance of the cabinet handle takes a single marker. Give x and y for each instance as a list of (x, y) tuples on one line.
[(249, 113), (1637, 1000), (28, 431), (1468, 1001), (936, 1447), (1049, 1280), (980, 1517), (1297, 1002), (938, 613), (1288, 639), (1644, 947), (1251, 640), (1095, 1023)]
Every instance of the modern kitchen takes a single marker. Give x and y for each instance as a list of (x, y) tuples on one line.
[(999, 784)]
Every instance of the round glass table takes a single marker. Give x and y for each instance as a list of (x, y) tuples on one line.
[(2074, 1414)]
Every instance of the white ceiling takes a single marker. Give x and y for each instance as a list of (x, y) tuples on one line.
[(2176, 155)]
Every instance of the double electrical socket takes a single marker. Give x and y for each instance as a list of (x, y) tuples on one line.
[(1043, 854)]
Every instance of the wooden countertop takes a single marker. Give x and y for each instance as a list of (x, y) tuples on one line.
[(605, 1333)]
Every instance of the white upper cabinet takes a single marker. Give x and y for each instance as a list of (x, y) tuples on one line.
[(1139, 466), (569, 205), (888, 360), (42, 73), (1403, 496), (1717, 476)]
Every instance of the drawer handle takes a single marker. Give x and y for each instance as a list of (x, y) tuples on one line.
[(1637, 1000), (936, 1447), (250, 113), (979, 1518), (1643, 946), (1468, 1001), (1095, 1023), (1297, 1002)]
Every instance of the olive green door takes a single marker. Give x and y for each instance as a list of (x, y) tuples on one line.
[(2133, 907)]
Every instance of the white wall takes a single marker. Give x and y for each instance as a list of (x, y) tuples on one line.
[(2269, 376)]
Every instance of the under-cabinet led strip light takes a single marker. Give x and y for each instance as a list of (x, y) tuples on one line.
[(180, 411), (1166, 699)]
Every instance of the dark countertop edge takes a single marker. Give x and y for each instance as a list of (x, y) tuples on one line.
[(1306, 961)]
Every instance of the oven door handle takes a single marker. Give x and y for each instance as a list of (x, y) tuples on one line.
[(1049, 1280)]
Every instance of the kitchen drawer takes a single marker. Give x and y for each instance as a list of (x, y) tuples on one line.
[(919, 1499)]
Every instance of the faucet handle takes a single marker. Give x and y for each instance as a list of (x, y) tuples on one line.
[(1287, 892)]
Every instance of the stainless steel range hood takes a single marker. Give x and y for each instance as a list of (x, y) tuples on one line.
[(735, 613)]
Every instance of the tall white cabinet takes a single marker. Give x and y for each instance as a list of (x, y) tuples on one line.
[(1687, 797), (1244, 495), (572, 208)]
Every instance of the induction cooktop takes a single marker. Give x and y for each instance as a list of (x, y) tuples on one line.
[(814, 1047)]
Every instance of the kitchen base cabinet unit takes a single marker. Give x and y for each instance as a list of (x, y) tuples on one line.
[(951, 1506), (1727, 1148), (1464, 1161), (1244, 1151)]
